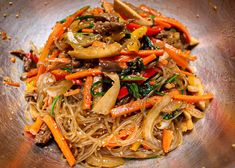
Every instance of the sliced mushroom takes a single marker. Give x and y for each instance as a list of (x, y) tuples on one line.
[(121, 7)]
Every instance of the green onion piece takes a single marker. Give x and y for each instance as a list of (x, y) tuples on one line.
[(91, 25), (133, 78), (152, 16), (53, 106), (172, 79), (63, 20), (68, 69), (173, 115), (134, 90), (83, 17), (93, 87)]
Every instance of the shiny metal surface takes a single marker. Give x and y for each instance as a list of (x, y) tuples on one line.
[(208, 145)]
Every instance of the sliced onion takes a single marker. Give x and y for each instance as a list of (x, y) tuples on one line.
[(151, 117), (195, 113), (44, 81), (164, 124), (105, 161), (172, 106), (107, 102), (59, 88)]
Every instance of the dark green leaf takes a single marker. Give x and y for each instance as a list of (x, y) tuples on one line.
[(172, 79), (94, 85), (173, 115)]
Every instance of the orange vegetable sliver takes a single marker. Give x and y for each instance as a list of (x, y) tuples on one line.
[(149, 59), (60, 140), (134, 106), (35, 127), (167, 138), (193, 98), (72, 92), (86, 105), (83, 73), (87, 30)]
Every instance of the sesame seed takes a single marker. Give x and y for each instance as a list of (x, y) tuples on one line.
[(10, 3), (4, 15), (17, 15), (233, 145), (13, 59)]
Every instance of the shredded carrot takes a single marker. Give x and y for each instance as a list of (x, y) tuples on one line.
[(50, 41), (83, 73), (35, 127), (98, 44), (163, 62), (96, 11), (55, 54), (41, 70), (167, 138), (32, 72), (163, 24), (174, 23), (15, 84), (121, 135), (87, 30), (28, 80), (143, 53), (72, 92), (59, 74), (69, 20), (57, 31), (45, 105), (185, 72), (149, 59), (58, 60), (193, 98), (87, 93), (134, 106), (173, 53), (60, 140), (144, 15)]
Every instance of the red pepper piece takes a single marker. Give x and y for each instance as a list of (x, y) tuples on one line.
[(123, 92)]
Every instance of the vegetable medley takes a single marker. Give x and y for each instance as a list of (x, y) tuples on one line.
[(113, 82)]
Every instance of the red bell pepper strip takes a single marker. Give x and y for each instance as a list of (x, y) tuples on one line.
[(33, 57), (123, 93), (149, 73), (150, 32)]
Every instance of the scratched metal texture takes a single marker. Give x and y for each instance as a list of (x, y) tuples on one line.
[(208, 145)]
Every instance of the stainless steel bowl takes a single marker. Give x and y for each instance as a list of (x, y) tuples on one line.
[(212, 22)]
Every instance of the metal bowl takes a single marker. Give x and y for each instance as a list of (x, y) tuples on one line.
[(212, 22)]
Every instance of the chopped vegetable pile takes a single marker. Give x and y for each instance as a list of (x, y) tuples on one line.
[(113, 82)]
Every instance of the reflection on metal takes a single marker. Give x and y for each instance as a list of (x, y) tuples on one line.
[(209, 145)]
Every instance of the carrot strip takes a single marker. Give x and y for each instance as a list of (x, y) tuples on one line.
[(55, 54), (57, 31), (174, 23), (70, 19), (149, 59), (143, 53), (134, 106), (174, 54), (83, 73), (60, 140), (87, 30), (86, 105), (50, 41), (185, 72), (163, 24), (163, 62), (72, 92), (144, 15), (35, 127), (167, 138), (58, 60), (32, 72), (193, 98), (15, 84), (41, 70)]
